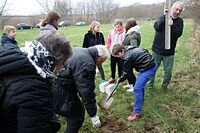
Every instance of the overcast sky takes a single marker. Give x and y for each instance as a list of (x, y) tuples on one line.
[(31, 7)]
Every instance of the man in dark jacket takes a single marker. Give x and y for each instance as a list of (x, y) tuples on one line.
[(25, 89), (78, 81), (159, 51), (140, 60)]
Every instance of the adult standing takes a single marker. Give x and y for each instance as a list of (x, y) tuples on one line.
[(74, 89), (92, 38), (161, 54)]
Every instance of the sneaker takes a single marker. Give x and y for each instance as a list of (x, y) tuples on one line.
[(164, 87), (134, 116), (110, 81), (130, 89), (126, 86), (102, 81)]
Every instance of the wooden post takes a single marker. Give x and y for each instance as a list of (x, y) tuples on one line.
[(167, 27)]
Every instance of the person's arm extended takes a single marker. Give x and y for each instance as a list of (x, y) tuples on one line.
[(126, 70), (85, 83)]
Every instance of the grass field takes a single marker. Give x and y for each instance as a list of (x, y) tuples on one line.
[(175, 110)]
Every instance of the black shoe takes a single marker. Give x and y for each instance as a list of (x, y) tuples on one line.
[(164, 87)]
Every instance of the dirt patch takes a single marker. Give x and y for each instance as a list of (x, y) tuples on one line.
[(113, 126)]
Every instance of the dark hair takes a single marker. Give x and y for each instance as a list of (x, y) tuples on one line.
[(117, 48), (51, 16), (57, 44), (131, 22)]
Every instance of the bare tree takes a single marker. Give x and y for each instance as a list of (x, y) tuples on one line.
[(3, 19), (47, 5), (64, 8), (2, 7), (101, 10)]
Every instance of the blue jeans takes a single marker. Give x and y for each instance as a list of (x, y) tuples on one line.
[(141, 81)]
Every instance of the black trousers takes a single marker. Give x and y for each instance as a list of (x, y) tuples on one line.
[(76, 119), (131, 78), (113, 62)]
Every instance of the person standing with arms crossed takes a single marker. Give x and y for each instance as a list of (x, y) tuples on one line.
[(161, 54)]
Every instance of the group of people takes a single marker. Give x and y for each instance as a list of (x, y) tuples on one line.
[(48, 77)]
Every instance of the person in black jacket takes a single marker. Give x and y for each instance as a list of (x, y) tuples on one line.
[(25, 76), (92, 38), (141, 61), (74, 87), (161, 54)]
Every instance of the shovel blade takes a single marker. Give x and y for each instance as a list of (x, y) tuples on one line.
[(105, 103)]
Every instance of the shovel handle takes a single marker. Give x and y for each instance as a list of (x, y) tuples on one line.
[(109, 96)]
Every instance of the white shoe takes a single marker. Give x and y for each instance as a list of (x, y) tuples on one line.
[(130, 89), (126, 86)]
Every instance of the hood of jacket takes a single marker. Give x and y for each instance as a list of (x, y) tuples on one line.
[(41, 59), (7, 39), (49, 27), (93, 52), (134, 29)]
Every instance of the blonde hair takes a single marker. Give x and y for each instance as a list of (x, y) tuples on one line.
[(93, 24), (8, 28)]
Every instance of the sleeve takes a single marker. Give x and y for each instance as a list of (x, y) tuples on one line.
[(126, 69), (134, 39), (14, 61), (85, 41), (85, 83), (159, 25), (109, 40), (103, 41), (177, 29)]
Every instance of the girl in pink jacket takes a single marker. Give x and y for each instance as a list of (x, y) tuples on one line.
[(116, 36)]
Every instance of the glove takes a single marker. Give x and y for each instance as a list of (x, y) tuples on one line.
[(96, 123), (119, 80)]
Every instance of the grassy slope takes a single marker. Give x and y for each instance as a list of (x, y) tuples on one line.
[(174, 110)]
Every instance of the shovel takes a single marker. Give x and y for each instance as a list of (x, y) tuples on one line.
[(107, 99)]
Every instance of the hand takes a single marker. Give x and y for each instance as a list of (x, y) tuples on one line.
[(170, 22), (165, 10), (119, 80), (96, 123)]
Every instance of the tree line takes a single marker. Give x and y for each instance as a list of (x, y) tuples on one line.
[(105, 11)]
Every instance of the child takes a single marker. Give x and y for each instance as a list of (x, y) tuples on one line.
[(116, 36), (9, 34), (92, 38), (141, 61), (132, 38)]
